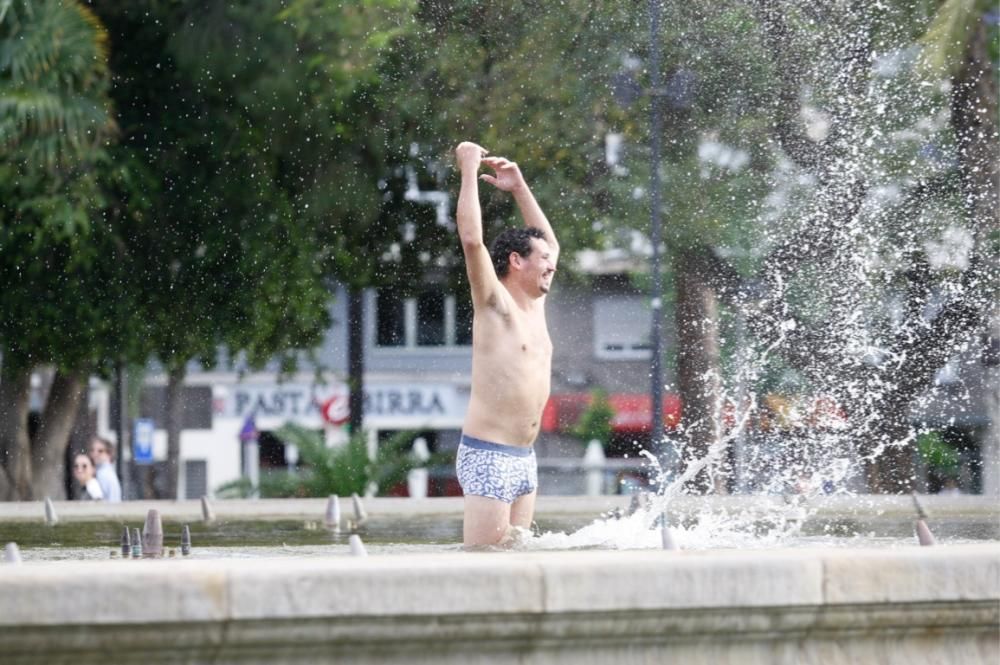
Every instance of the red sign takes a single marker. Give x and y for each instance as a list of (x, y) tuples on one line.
[(336, 410)]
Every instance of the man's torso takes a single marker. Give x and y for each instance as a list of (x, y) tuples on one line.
[(511, 374)]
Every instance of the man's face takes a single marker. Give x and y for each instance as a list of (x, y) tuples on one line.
[(99, 452), (539, 267)]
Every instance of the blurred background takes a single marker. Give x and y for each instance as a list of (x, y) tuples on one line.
[(227, 240)]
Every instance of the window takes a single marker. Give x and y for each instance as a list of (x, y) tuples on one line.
[(195, 478), (621, 327), (390, 320), (463, 321), (432, 319)]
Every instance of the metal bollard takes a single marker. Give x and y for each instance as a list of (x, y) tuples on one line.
[(185, 541), (152, 535)]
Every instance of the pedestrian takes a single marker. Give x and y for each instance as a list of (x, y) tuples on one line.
[(88, 489), (102, 452)]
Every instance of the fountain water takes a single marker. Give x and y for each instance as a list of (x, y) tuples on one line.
[(870, 267)]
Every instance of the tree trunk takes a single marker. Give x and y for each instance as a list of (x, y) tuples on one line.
[(892, 471), (174, 410), (356, 358), (698, 369), (883, 403), (15, 447), (990, 450), (974, 120), (67, 391)]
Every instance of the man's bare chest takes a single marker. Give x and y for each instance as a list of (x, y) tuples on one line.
[(515, 337)]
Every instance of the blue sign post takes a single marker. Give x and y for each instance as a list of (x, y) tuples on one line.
[(142, 441)]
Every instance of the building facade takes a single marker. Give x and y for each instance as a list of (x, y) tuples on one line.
[(417, 373)]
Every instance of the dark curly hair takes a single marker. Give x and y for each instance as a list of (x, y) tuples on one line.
[(517, 239)]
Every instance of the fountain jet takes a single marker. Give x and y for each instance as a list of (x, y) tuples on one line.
[(152, 535), (639, 502), (50, 512), (924, 535), (357, 547), (360, 516), (11, 553), (126, 542), (185, 541), (207, 516), (332, 518), (667, 536)]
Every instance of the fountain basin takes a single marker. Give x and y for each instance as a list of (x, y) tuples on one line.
[(831, 520), (905, 605)]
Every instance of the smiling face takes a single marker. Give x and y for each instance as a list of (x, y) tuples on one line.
[(524, 260), (533, 272), (540, 266)]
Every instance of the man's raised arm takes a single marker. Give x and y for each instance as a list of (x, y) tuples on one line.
[(508, 178), (478, 265)]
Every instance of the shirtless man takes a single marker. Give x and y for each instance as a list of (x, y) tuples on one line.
[(511, 353)]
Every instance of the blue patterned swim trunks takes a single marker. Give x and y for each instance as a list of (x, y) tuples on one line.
[(495, 470)]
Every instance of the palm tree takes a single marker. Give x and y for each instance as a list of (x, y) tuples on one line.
[(55, 118), (54, 107)]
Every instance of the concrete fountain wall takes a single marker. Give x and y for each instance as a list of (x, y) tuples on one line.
[(906, 605)]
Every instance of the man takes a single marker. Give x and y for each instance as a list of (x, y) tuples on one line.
[(511, 353), (102, 452)]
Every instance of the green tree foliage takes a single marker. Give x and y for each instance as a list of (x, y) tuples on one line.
[(595, 423), (55, 123), (60, 258), (225, 260), (528, 81), (54, 111), (938, 454)]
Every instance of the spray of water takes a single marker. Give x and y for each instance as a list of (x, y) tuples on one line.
[(872, 278)]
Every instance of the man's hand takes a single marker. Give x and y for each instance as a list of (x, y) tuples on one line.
[(508, 176), (468, 155)]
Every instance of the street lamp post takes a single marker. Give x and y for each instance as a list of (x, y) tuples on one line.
[(656, 299), (121, 429)]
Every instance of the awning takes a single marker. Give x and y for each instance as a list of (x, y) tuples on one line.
[(633, 414), (632, 411)]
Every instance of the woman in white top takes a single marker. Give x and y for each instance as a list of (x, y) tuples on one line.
[(84, 472)]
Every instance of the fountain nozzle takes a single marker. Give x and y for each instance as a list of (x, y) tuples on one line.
[(185, 541), (332, 518), (126, 542)]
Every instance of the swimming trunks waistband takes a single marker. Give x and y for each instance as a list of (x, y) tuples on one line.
[(479, 444)]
